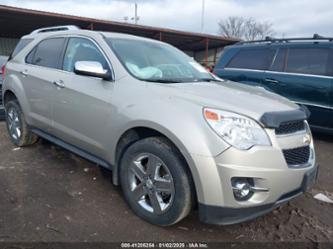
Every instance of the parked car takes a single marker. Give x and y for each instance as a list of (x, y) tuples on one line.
[(3, 60), (298, 69), (174, 136)]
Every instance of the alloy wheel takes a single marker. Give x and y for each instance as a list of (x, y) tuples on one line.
[(151, 183), (14, 123)]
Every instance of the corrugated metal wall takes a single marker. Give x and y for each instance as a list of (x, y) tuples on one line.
[(213, 55), (7, 45)]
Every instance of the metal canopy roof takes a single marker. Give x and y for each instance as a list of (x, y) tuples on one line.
[(16, 22)]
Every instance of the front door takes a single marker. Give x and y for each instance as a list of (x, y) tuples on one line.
[(304, 79), (82, 105), (248, 66)]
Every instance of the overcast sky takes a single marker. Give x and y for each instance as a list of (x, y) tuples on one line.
[(289, 18)]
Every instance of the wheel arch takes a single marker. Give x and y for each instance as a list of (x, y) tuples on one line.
[(137, 133), (13, 87), (8, 95)]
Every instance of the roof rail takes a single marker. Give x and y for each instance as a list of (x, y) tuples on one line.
[(55, 28), (268, 39)]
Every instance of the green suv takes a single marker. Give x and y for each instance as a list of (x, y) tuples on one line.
[(299, 69)]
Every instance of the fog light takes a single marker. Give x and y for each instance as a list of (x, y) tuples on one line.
[(244, 188)]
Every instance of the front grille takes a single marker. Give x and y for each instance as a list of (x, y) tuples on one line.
[(297, 156), (290, 127)]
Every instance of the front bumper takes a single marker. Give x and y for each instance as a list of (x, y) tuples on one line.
[(268, 169), (226, 215)]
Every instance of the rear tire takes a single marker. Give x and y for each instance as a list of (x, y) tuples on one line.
[(156, 181), (17, 127)]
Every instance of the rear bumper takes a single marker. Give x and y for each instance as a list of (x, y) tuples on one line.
[(227, 216), (2, 113)]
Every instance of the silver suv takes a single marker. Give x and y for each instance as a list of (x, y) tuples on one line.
[(175, 136)]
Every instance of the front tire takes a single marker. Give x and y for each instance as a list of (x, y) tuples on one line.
[(17, 128), (156, 181)]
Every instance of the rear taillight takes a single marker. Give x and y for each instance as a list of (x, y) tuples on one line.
[(3, 71)]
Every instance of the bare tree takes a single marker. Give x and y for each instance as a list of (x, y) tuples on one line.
[(245, 28)]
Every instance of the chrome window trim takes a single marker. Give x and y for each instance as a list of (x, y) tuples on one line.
[(301, 74), (243, 69), (314, 105), (276, 72), (72, 36)]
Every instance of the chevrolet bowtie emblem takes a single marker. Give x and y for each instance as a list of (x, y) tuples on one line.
[(307, 139)]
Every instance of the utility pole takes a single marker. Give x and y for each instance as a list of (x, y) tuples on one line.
[(136, 18), (203, 16)]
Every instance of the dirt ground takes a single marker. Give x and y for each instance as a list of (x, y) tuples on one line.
[(47, 194)]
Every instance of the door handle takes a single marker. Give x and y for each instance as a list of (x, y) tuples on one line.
[(59, 83), (272, 81), (24, 73)]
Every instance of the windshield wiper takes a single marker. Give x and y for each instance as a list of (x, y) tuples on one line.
[(163, 80)]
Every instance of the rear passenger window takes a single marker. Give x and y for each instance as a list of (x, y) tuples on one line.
[(308, 61), (259, 59), (47, 53), (279, 61)]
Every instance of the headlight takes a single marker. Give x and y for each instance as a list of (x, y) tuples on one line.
[(237, 130)]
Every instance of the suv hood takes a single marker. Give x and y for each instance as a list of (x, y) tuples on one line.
[(229, 96)]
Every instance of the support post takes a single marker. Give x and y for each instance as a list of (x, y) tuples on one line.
[(206, 51), (91, 26), (215, 56)]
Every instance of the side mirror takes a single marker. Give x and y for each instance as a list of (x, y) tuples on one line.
[(92, 68)]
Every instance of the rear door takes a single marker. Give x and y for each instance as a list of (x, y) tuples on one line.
[(247, 65), (39, 74), (301, 74)]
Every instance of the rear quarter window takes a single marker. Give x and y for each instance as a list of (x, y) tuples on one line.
[(308, 61), (257, 58), (20, 45)]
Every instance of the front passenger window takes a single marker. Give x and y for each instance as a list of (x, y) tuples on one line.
[(81, 49), (308, 61), (256, 58)]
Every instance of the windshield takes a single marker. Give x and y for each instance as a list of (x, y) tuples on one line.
[(157, 62)]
